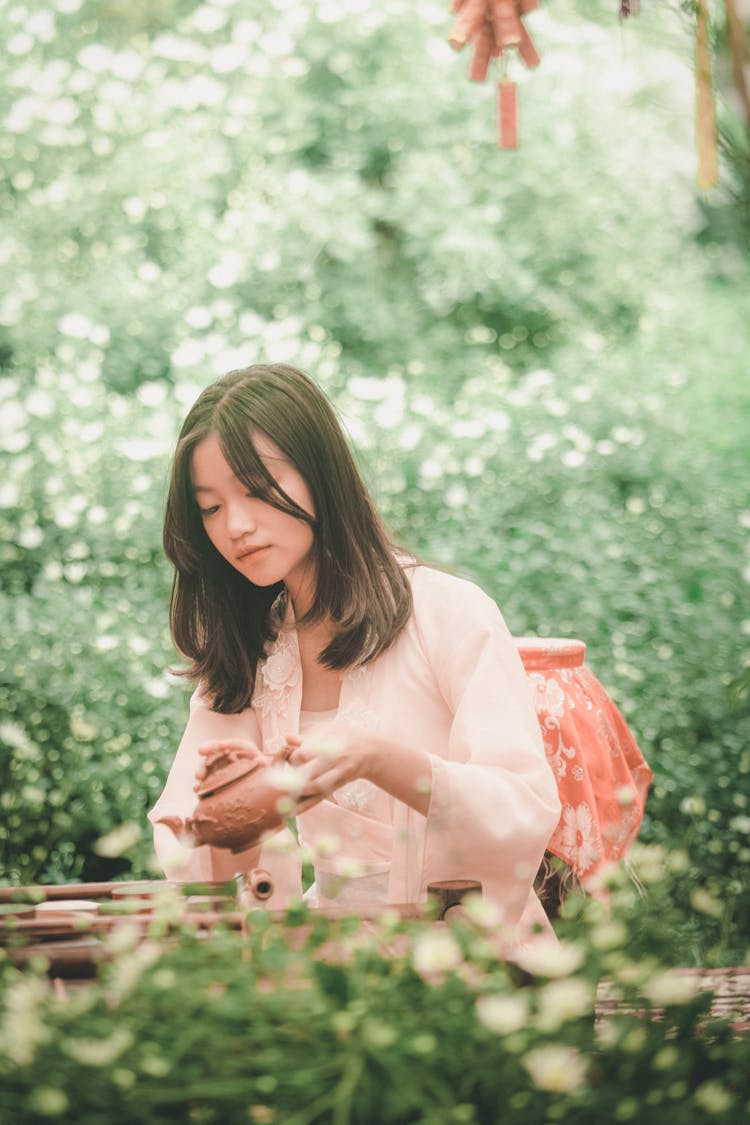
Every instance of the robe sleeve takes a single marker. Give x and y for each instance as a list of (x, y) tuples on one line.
[(178, 799), (494, 802)]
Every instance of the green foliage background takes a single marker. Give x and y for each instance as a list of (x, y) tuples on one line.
[(539, 355)]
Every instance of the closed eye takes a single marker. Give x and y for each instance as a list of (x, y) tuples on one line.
[(209, 511)]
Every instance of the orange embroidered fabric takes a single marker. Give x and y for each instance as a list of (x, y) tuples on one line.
[(602, 777)]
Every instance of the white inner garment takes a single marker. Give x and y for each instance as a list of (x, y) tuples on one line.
[(359, 817)]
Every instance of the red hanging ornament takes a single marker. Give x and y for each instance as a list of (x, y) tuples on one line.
[(494, 27), (507, 115)]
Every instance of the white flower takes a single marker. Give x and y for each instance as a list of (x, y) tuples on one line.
[(227, 271), (76, 325), (128, 968), (707, 903), (288, 778), (48, 1101), (139, 449), (283, 844), (482, 911), (671, 987), (155, 1065), (579, 836), (648, 862), (713, 1097), (693, 805), (378, 1033), (118, 841), (503, 1014), (23, 1029), (609, 935), (546, 957), (563, 1000), (327, 844), (557, 1068), (328, 745), (346, 867), (99, 1052), (435, 951)]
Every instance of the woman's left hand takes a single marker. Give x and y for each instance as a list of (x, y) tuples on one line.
[(342, 753), (332, 758)]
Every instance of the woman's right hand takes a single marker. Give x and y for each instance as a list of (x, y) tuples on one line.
[(232, 749)]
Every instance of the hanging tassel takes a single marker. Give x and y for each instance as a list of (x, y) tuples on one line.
[(482, 54), (494, 28), (705, 113), (527, 49), (507, 115), (471, 15), (506, 22)]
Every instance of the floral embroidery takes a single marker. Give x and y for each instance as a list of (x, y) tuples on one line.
[(358, 796), (354, 713), (278, 676), (548, 695), (580, 836), (557, 752)]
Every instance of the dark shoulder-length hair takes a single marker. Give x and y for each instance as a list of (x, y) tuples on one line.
[(222, 622)]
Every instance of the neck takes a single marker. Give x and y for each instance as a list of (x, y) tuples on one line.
[(301, 588), (301, 599)]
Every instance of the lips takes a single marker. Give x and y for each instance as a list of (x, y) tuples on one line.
[(249, 553)]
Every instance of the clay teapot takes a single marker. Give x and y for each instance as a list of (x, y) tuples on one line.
[(237, 804)]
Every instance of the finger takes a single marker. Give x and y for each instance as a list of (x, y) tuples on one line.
[(300, 757), (239, 748), (322, 779), (308, 802), (284, 753)]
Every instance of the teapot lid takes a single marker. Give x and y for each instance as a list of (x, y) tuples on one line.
[(223, 771)]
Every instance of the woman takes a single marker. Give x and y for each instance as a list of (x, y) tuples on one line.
[(305, 627)]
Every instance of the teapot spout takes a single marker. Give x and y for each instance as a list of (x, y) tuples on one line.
[(184, 830)]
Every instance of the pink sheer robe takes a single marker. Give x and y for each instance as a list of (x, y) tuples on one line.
[(452, 684)]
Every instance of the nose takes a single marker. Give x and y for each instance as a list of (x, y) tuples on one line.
[(241, 518)]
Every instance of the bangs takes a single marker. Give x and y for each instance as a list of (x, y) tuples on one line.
[(249, 468)]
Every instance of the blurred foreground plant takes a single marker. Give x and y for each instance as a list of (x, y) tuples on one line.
[(308, 1020)]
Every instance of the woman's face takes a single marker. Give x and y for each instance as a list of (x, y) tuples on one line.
[(264, 544)]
